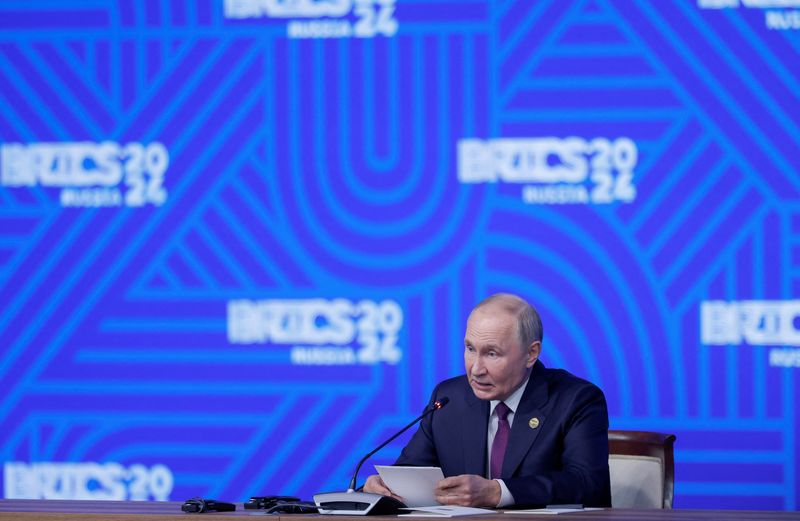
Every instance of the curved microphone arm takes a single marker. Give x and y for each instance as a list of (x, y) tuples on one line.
[(438, 404)]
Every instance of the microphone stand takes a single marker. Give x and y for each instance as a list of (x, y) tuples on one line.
[(355, 503)]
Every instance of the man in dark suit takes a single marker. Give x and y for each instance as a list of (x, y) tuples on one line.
[(514, 432)]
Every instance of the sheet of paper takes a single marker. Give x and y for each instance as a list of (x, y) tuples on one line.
[(414, 484), (552, 510), (446, 511)]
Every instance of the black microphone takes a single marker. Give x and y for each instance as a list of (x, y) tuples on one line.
[(435, 406), (363, 503)]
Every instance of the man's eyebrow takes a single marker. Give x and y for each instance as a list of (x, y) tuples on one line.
[(483, 346)]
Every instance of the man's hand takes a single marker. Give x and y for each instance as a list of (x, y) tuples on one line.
[(468, 490), (375, 485)]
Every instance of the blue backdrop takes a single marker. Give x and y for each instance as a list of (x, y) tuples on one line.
[(239, 239)]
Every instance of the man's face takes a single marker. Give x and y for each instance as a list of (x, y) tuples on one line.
[(495, 361)]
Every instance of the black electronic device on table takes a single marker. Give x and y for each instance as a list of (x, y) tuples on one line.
[(265, 502), (199, 505), (281, 504)]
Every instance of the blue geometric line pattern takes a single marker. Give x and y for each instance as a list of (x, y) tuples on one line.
[(327, 168)]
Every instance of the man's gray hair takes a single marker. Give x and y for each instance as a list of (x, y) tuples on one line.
[(529, 324)]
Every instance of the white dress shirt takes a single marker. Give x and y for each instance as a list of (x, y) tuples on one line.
[(512, 402)]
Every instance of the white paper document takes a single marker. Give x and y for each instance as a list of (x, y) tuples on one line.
[(414, 484), (446, 511), (552, 510)]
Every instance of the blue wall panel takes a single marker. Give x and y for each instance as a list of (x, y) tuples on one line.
[(239, 239)]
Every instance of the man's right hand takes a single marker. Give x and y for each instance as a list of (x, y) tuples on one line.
[(375, 485)]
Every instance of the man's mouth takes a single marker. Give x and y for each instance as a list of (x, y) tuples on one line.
[(481, 385)]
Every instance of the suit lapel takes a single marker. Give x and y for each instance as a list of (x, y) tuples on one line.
[(522, 434), (474, 425)]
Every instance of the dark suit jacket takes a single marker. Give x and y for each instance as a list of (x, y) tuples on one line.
[(562, 460)]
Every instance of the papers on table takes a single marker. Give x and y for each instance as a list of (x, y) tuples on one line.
[(446, 511), (414, 484), (552, 510)]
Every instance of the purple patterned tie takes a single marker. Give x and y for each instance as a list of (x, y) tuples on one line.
[(500, 440)]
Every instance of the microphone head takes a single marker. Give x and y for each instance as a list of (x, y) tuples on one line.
[(441, 402)]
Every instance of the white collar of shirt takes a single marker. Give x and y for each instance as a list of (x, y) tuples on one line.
[(512, 401)]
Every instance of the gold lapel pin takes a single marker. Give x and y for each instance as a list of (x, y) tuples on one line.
[(533, 423)]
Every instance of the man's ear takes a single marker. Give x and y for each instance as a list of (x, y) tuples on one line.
[(533, 353)]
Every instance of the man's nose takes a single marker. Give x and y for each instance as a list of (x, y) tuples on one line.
[(477, 367)]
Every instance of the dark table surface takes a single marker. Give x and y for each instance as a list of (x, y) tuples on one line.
[(50, 510)]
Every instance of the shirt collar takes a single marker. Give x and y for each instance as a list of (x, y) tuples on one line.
[(512, 401)]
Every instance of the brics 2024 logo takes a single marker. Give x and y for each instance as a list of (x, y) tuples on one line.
[(326, 19), (89, 174), (86, 480), (554, 170), (320, 331), (757, 323), (779, 15)]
